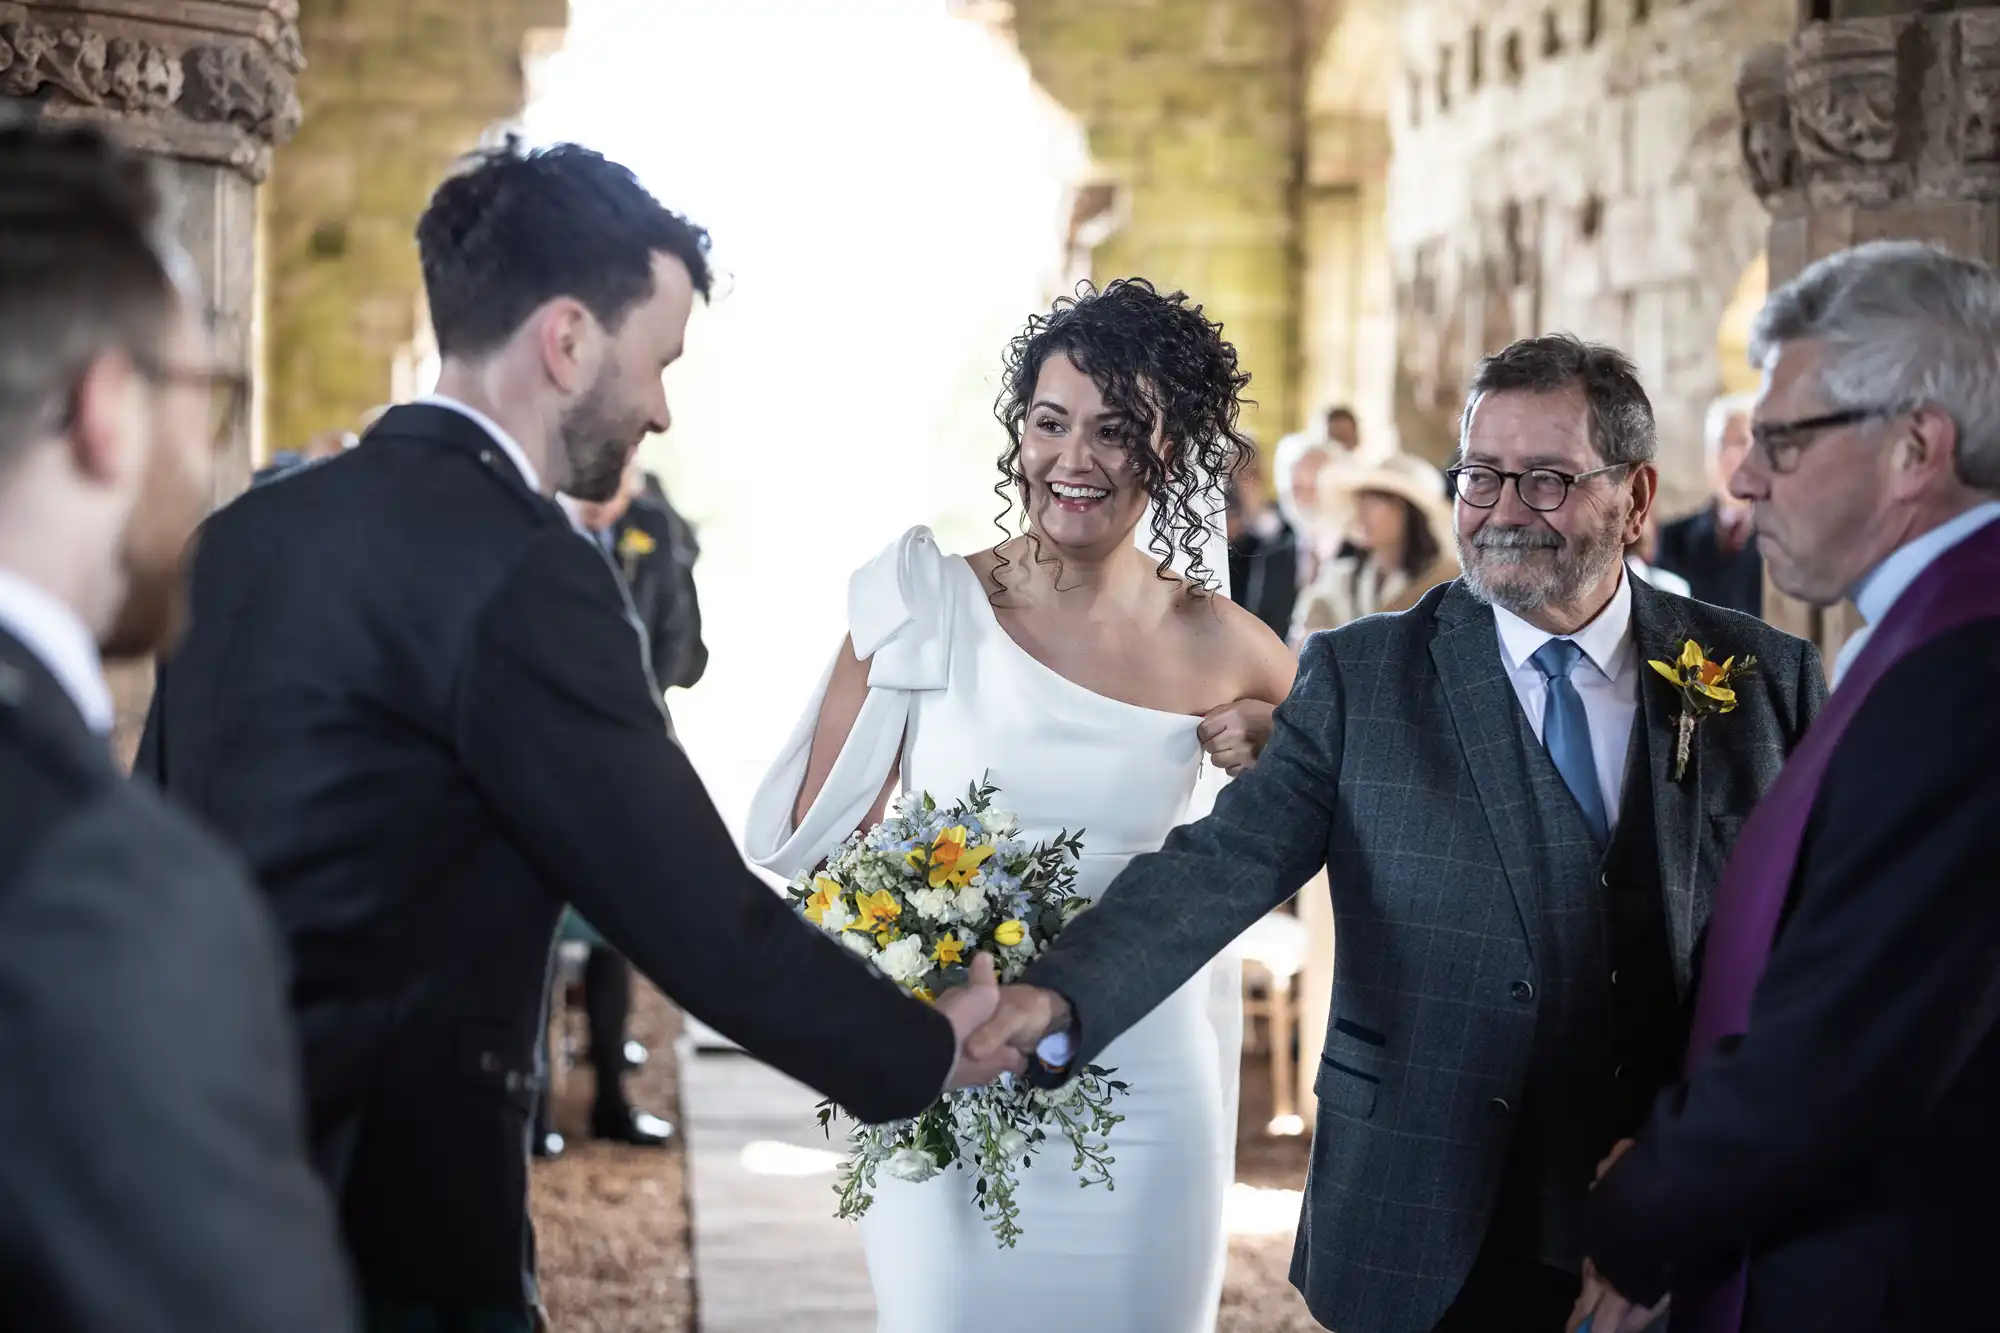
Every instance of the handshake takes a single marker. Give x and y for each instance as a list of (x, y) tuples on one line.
[(997, 1027)]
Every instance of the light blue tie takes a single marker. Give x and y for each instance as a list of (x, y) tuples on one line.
[(1566, 733)]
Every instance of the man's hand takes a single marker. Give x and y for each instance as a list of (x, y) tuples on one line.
[(1601, 1309), (1235, 734), (1618, 1150), (1017, 1024), (967, 1007)]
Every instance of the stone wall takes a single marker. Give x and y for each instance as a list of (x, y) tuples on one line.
[(1572, 165), (1347, 314), (1193, 113), (394, 91)]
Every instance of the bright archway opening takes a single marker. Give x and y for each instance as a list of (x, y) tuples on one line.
[(889, 194)]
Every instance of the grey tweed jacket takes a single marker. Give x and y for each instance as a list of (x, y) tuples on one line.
[(1397, 763)]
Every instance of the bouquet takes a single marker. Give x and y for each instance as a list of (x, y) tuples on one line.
[(918, 896)]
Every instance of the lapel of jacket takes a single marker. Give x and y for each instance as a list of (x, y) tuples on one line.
[(1658, 631), (1486, 714), (46, 716)]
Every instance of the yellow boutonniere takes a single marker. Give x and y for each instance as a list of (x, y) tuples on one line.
[(1705, 686), (636, 543)]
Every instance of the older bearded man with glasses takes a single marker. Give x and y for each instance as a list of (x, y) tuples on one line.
[(1829, 1162), (1519, 862)]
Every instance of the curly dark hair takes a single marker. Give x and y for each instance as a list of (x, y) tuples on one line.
[(1157, 359)]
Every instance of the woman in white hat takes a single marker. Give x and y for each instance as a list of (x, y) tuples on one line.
[(1401, 520)]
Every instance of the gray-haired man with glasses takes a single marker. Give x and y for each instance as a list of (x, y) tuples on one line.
[(1830, 1162), (1518, 860)]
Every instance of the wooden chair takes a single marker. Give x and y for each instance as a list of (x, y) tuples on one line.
[(1273, 951)]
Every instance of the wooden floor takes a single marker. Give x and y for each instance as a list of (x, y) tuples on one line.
[(768, 1254)]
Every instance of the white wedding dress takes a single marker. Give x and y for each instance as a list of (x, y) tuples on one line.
[(964, 701)]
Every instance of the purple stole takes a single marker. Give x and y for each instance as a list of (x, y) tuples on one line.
[(1961, 585)]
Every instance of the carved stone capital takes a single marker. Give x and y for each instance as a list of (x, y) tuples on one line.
[(1978, 101), (1770, 153), (205, 80), (1849, 110)]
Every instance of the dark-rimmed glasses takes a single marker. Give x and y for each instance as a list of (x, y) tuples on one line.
[(1542, 489), (1781, 442)]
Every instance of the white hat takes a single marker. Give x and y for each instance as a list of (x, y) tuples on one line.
[(1402, 475)]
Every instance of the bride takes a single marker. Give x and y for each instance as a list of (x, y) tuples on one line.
[(1084, 667)]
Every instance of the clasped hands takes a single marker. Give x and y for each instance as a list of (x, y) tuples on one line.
[(997, 1027), (1601, 1308)]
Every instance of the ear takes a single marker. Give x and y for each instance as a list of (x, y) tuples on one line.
[(1645, 490), (106, 435), (567, 339), (1925, 452)]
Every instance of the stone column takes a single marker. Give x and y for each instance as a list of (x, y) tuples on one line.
[(207, 86), (1875, 121)]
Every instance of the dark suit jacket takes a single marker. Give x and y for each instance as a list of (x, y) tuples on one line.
[(1689, 547), (661, 581), (413, 699), (1849, 1140), (154, 1176), (1396, 763)]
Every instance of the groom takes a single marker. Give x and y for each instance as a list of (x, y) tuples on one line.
[(1518, 870), (416, 702)]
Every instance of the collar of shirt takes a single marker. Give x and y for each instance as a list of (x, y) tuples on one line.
[(57, 635), (508, 444), (1606, 641), (1883, 585)]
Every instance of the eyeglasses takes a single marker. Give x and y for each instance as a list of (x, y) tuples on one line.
[(228, 391), (228, 394), (1542, 489), (1781, 442)]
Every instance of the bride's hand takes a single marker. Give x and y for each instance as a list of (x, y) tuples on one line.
[(1235, 734)]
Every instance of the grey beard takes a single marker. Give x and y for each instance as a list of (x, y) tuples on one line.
[(1578, 565)]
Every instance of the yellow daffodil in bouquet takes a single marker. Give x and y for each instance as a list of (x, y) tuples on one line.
[(918, 896)]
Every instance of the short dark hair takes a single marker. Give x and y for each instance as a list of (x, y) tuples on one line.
[(516, 228), (1342, 412), (1621, 416), (83, 268)]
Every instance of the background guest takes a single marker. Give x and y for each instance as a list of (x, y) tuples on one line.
[(638, 538), (1715, 549), (1400, 535), (153, 1177), (1263, 553)]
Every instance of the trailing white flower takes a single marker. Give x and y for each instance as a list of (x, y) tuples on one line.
[(911, 1164), (1012, 1143), (836, 918), (858, 942), (999, 822)]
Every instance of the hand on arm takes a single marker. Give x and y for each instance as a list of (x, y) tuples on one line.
[(1234, 734)]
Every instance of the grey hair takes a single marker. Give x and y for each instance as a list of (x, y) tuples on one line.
[(1621, 416), (1902, 323), (1720, 413)]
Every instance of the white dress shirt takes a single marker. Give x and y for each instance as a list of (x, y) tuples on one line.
[(1883, 585), (58, 637), (1606, 679), (508, 444)]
